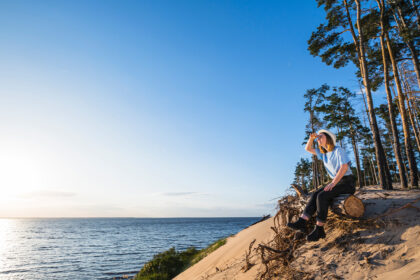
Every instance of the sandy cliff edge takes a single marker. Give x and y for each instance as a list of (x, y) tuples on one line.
[(226, 262), (390, 252)]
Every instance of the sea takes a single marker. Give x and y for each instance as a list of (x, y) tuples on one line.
[(100, 248)]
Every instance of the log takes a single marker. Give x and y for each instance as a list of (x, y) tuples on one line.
[(348, 205)]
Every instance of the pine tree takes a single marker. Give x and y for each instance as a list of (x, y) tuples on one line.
[(404, 13), (383, 20), (314, 98), (303, 173), (383, 113), (328, 42), (403, 112), (339, 113)]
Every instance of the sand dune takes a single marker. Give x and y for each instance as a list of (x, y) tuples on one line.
[(390, 250), (226, 262)]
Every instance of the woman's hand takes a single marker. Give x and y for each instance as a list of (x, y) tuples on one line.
[(329, 187), (309, 145), (340, 174)]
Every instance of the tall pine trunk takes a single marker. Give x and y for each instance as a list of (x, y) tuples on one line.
[(384, 175), (373, 180), (407, 140), (356, 156), (375, 176), (314, 168), (415, 59), (395, 139), (413, 125), (411, 107), (314, 173)]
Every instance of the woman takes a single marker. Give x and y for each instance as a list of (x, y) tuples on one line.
[(337, 164)]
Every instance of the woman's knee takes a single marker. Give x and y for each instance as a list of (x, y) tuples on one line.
[(315, 194), (322, 197)]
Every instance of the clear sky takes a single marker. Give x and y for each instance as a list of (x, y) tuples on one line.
[(154, 108)]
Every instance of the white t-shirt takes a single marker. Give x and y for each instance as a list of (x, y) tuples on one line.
[(334, 160)]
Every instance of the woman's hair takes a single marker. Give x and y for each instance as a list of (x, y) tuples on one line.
[(330, 144)]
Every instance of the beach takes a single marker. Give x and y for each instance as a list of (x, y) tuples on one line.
[(388, 249)]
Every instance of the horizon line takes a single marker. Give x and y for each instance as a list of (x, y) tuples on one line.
[(131, 217)]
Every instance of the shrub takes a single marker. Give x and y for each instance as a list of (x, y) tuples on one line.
[(166, 265)]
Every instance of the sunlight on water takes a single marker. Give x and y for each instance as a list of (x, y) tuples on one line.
[(6, 239), (43, 249)]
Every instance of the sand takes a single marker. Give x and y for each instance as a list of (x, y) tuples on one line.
[(226, 262), (391, 250)]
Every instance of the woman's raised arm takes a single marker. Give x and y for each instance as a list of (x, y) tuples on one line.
[(309, 146)]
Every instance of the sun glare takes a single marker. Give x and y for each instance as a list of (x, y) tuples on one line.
[(20, 174)]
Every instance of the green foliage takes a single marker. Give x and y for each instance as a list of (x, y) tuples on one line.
[(313, 99), (203, 253), (408, 13), (303, 174), (168, 264), (352, 32), (328, 41), (339, 113), (334, 45)]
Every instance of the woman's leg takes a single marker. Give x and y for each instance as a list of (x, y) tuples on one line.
[(324, 198), (310, 209), (311, 206)]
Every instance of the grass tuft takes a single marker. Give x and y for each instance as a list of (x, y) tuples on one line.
[(170, 263)]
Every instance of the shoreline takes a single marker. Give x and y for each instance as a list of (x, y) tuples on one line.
[(188, 257)]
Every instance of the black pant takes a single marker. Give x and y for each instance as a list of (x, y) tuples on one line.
[(320, 200)]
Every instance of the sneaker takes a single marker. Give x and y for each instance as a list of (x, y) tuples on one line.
[(300, 225), (316, 234)]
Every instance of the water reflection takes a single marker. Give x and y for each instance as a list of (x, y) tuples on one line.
[(99, 248), (6, 241)]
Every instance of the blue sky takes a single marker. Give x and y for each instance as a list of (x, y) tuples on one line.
[(154, 108)]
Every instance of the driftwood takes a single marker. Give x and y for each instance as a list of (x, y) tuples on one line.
[(299, 190), (344, 205), (289, 207)]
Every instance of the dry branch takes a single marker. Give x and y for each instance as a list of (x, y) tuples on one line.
[(274, 250), (299, 190), (248, 264)]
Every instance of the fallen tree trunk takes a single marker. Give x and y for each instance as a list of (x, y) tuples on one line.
[(348, 205)]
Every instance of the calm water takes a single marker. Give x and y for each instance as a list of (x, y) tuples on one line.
[(100, 248)]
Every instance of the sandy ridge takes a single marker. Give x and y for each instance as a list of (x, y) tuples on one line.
[(389, 252)]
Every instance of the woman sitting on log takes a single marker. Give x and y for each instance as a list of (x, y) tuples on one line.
[(337, 164)]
